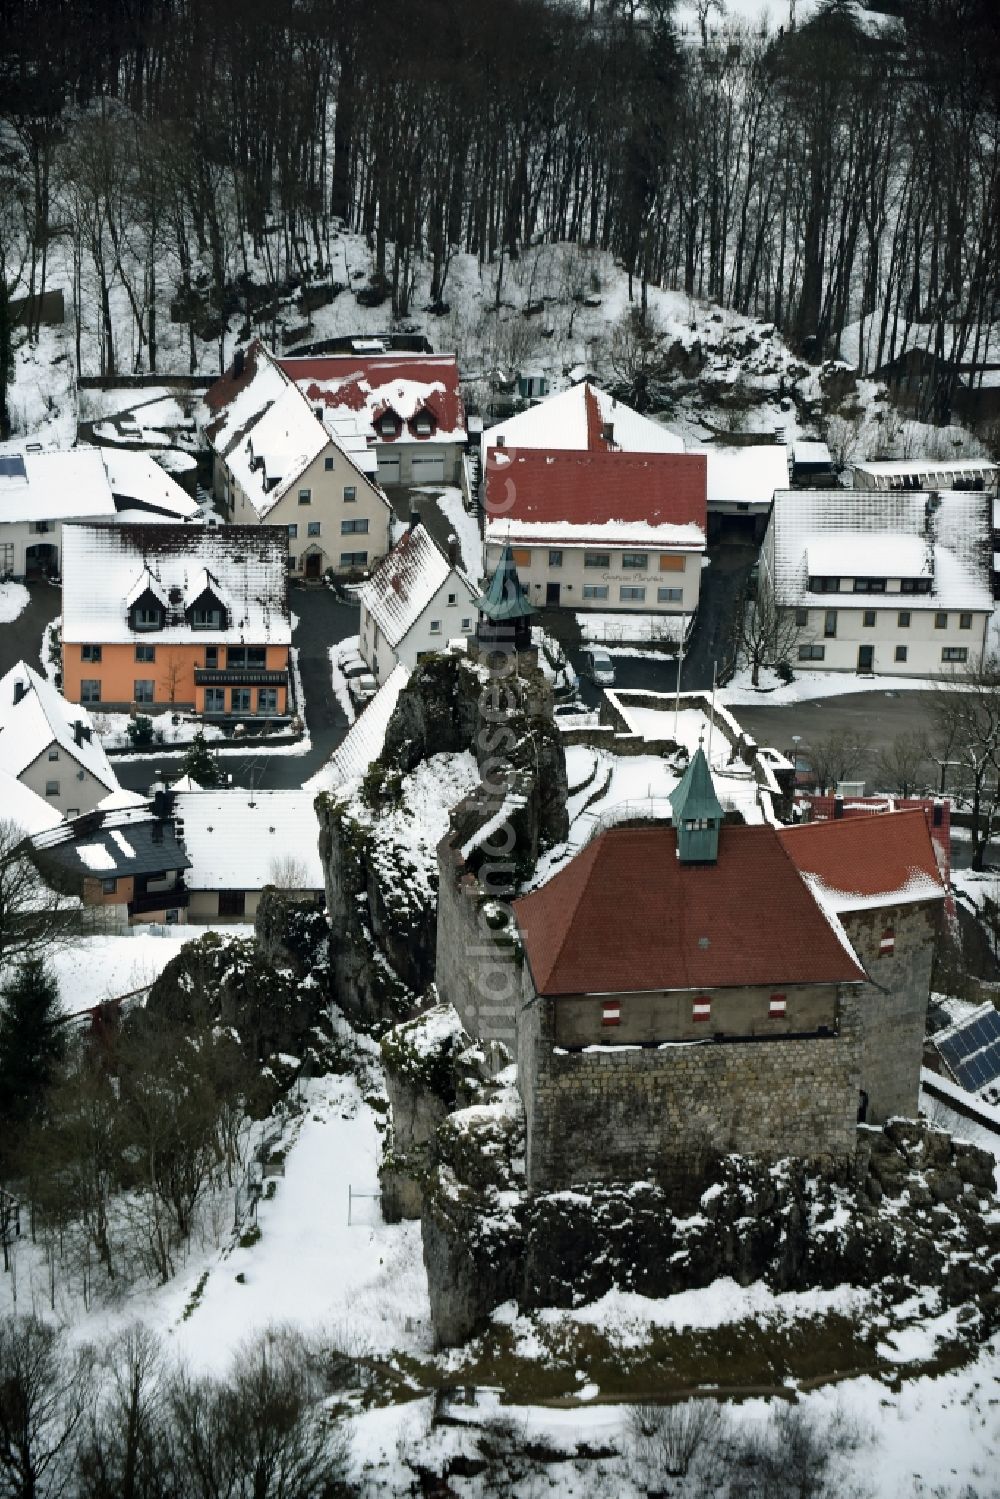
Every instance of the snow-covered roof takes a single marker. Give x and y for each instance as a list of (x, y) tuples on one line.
[(376, 385), (808, 450), (745, 475), (574, 498), (922, 473), (101, 566), (138, 482), (405, 582), (282, 444), (880, 533), (244, 840), (22, 808), (268, 431), (55, 487), (365, 739), (576, 419), (41, 716), (867, 554)]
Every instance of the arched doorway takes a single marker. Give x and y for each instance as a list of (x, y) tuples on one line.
[(41, 560)]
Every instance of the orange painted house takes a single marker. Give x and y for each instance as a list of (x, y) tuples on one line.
[(163, 616)]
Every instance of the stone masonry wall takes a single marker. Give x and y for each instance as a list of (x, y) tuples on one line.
[(893, 1008), (478, 965), (664, 1113)]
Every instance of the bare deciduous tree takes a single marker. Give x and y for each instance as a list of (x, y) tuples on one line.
[(966, 717), (839, 756), (766, 633), (903, 764), (34, 917), (44, 1396)]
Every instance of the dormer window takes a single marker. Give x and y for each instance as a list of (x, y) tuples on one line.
[(423, 425), (387, 425), (147, 617), (206, 618)]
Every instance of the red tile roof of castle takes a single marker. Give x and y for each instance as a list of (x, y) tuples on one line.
[(868, 861), (541, 487), (626, 916), (376, 384)]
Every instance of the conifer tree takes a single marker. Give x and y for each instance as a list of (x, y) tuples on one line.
[(199, 762), (32, 1039)]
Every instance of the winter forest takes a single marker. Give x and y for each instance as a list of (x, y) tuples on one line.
[(197, 157)]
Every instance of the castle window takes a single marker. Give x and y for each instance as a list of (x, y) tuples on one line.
[(702, 1008), (611, 1013), (776, 1009), (887, 946)]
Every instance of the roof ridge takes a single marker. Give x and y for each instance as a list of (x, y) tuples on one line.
[(829, 916)]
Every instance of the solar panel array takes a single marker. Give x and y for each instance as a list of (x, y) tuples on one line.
[(971, 1052)]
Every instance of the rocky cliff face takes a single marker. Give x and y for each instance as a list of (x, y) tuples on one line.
[(452, 726), (915, 1208)]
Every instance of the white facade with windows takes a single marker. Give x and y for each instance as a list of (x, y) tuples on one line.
[(570, 574), (888, 582)]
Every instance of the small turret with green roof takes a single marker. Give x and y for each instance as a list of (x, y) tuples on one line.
[(698, 813), (505, 611)]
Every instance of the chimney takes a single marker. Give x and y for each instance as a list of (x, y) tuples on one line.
[(501, 440), (938, 817), (78, 732), (838, 808), (452, 550), (239, 363), (608, 433), (20, 690), (414, 516)]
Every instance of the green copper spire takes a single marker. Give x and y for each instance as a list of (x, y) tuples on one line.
[(697, 813), (505, 598)]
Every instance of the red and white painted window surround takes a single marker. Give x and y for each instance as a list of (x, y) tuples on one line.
[(611, 1013), (777, 1008), (701, 1009), (887, 945)]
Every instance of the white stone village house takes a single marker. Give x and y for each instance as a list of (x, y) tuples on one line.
[(416, 600), (282, 461), (49, 745), (239, 841), (888, 581)]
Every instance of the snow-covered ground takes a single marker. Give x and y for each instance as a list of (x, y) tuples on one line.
[(809, 685), (13, 601), (98, 968)]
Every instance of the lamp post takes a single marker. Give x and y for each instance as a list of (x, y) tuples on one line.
[(796, 741)]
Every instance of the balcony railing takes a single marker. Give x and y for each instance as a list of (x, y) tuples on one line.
[(238, 676), (174, 899)]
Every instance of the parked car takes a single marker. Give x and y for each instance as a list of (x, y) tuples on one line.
[(598, 666), (362, 689)]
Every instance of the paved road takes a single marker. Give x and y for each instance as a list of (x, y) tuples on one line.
[(879, 716), (21, 639), (322, 620)]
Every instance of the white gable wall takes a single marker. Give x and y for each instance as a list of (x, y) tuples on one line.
[(78, 790), (455, 619), (327, 508)]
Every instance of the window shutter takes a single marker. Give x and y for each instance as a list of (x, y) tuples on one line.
[(671, 564), (522, 557), (701, 1009), (777, 1007), (611, 1013), (887, 946)]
